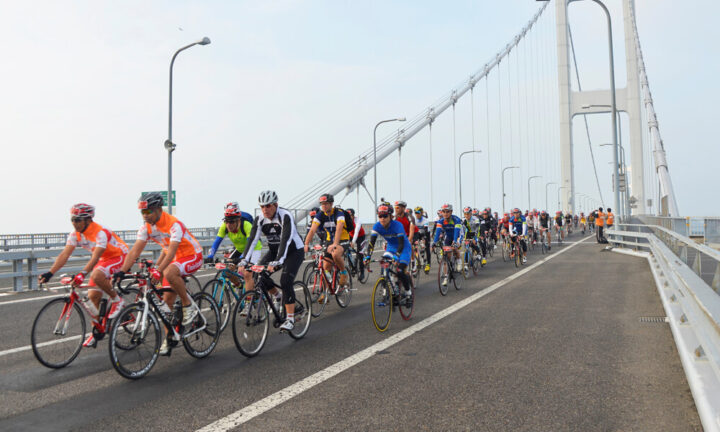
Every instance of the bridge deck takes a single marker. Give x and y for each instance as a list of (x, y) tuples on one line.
[(561, 347)]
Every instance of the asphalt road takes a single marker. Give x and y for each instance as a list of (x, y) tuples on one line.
[(557, 346)]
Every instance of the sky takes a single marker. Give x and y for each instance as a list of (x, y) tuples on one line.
[(288, 90)]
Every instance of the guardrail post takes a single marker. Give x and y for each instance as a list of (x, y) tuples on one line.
[(156, 255), (716, 280), (32, 282), (17, 280), (697, 266), (683, 254)]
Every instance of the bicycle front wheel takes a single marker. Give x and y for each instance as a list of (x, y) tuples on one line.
[(518, 255), (135, 339), (318, 292), (192, 285), (381, 306), (250, 324), (302, 319), (458, 278), (58, 333), (219, 292), (443, 276), (344, 295), (202, 335), (407, 303)]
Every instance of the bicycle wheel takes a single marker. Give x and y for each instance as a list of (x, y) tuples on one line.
[(415, 264), (443, 276), (518, 255), (475, 264), (309, 267), (250, 324), (543, 247), (505, 251), (318, 292), (219, 292), (407, 303), (344, 295), (58, 333), (381, 306), (491, 248), (363, 273), (303, 319), (192, 285), (458, 277), (201, 336), (139, 331)]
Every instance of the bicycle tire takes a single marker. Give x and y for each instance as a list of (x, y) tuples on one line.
[(505, 252), (309, 267), (218, 290), (518, 255), (443, 273), (319, 287), (39, 345), (475, 264), (364, 274), (407, 305), (458, 277), (192, 285), (344, 297), (255, 320), (491, 248), (138, 340), (381, 305), (303, 320), (203, 341)]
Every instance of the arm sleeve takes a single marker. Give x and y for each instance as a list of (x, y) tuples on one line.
[(524, 228), (101, 240), (438, 228), (357, 230), (401, 242), (285, 238), (371, 244), (215, 246), (176, 232)]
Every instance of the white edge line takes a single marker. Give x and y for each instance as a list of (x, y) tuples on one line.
[(27, 347), (246, 414)]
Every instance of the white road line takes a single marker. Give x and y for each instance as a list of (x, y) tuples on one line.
[(249, 412), (28, 347), (31, 299)]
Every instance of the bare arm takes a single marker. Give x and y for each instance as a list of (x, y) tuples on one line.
[(62, 258), (169, 257), (338, 232), (133, 254), (310, 234), (97, 253)]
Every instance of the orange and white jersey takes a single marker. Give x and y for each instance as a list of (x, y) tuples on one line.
[(170, 229), (97, 235)]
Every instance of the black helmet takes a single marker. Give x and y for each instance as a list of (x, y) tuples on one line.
[(351, 211), (326, 198), (150, 200)]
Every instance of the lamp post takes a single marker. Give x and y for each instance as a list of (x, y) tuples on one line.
[(503, 185), (558, 191), (623, 169), (546, 195), (169, 145), (460, 169), (375, 154), (530, 178)]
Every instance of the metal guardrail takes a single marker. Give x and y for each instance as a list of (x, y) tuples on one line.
[(706, 227), (691, 304)]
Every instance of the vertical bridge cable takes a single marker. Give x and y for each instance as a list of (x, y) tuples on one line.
[(587, 128), (454, 158), (487, 127), (432, 207), (510, 130), (500, 135), (472, 133)]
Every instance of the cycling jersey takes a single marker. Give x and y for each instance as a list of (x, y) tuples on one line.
[(96, 235), (544, 221), (470, 227), (422, 223), (169, 229), (582, 220), (405, 221), (485, 225), (281, 234), (397, 240), (558, 220), (518, 225), (238, 239), (328, 222), (450, 227)]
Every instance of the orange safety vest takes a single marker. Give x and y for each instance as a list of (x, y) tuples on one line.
[(600, 219), (610, 218)]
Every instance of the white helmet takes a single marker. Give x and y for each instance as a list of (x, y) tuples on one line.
[(267, 197)]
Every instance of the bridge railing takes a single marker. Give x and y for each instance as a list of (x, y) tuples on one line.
[(689, 290)]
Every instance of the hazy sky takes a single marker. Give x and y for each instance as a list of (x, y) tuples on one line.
[(290, 89)]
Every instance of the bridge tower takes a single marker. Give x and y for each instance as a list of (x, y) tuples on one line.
[(572, 102)]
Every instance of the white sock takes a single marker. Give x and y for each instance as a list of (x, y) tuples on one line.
[(291, 317)]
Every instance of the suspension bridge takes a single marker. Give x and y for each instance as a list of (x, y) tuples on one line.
[(585, 337)]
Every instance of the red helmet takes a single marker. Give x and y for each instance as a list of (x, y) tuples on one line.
[(383, 208), (232, 209), (82, 210), (467, 210), (446, 207)]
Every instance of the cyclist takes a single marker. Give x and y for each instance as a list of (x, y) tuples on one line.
[(358, 238), (337, 238), (285, 251), (518, 231), (108, 252), (583, 222), (471, 226), (575, 220), (181, 256), (406, 218), (504, 226), (568, 223), (397, 244), (422, 222), (450, 225), (544, 224), (591, 221), (236, 229), (559, 224), (484, 233)]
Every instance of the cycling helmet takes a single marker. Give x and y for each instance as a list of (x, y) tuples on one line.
[(558, 212), (384, 208), (543, 212), (485, 213), (314, 211), (232, 210), (150, 200), (516, 210), (326, 198), (418, 209), (400, 203), (82, 210), (351, 211), (446, 207), (267, 197), (467, 210)]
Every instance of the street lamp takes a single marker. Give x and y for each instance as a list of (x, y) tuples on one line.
[(546, 194), (375, 154), (532, 177), (623, 209), (460, 170), (558, 191), (169, 145), (503, 185)]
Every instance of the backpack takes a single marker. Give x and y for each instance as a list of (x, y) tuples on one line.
[(245, 216), (349, 220)]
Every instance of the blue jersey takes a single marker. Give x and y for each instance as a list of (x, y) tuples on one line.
[(518, 225), (393, 235), (451, 228)]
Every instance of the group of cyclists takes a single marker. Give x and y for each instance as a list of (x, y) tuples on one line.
[(406, 233)]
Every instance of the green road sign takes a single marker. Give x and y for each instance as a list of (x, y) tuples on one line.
[(164, 195)]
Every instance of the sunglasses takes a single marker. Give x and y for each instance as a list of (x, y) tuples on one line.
[(447, 211), (266, 206), (76, 219), (383, 215), (232, 221), (146, 211)]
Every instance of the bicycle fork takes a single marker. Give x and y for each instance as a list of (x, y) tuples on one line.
[(62, 325)]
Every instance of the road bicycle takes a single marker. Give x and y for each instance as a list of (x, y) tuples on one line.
[(251, 317), (506, 248), (386, 295), (544, 246), (447, 271), (58, 330), (354, 264), (516, 251), (224, 291), (135, 336), (322, 285), (558, 234), (470, 260)]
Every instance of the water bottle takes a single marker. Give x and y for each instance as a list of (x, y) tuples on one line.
[(90, 306), (160, 304)]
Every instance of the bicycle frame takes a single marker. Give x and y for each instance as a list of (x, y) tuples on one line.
[(263, 277), (73, 297), (223, 275)]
